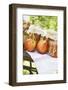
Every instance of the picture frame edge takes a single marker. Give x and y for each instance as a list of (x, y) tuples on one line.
[(12, 37), (12, 45)]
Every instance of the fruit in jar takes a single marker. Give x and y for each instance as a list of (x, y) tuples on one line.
[(30, 43), (42, 46)]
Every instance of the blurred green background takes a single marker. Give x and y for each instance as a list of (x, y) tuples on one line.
[(46, 22)]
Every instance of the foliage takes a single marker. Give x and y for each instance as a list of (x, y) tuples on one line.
[(46, 22), (26, 72)]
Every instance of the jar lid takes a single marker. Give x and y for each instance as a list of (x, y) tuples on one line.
[(52, 34)]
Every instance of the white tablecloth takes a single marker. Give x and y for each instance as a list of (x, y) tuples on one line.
[(45, 64)]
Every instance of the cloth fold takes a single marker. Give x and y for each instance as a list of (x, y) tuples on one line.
[(45, 64)]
